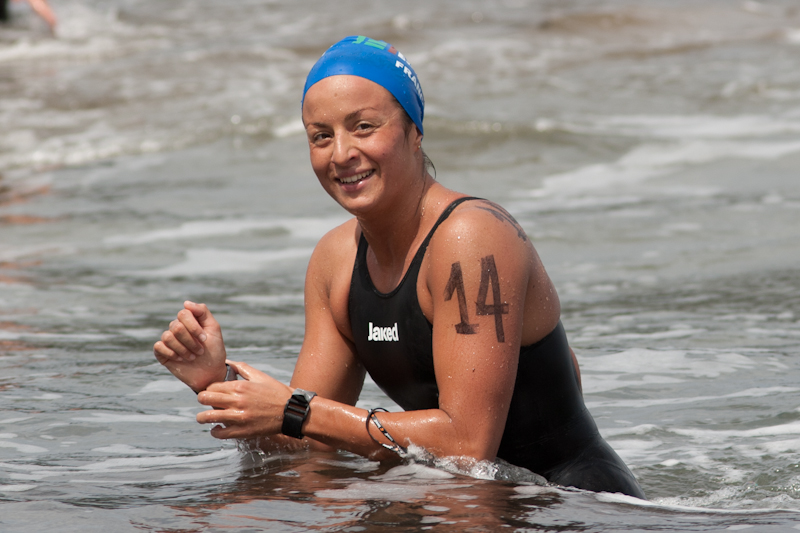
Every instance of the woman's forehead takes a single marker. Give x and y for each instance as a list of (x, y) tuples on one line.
[(337, 91)]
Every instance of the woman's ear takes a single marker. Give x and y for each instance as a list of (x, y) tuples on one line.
[(416, 139)]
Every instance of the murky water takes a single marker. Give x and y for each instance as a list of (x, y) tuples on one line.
[(152, 153)]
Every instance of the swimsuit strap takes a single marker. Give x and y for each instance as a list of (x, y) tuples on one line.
[(446, 213), (361, 254)]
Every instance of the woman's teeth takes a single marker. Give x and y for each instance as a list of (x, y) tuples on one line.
[(357, 177)]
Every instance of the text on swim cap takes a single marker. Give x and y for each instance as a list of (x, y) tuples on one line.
[(400, 64)]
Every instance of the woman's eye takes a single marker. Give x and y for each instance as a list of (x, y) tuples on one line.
[(363, 126)]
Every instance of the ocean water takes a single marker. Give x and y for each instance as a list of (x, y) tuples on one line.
[(152, 152)]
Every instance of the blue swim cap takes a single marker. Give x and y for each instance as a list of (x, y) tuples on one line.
[(376, 61)]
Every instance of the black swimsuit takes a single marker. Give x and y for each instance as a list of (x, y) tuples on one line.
[(548, 431)]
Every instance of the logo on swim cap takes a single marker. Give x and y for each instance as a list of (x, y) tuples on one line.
[(377, 61)]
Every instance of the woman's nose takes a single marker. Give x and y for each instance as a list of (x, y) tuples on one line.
[(343, 149)]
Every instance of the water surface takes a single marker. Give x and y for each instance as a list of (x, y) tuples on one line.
[(153, 153)]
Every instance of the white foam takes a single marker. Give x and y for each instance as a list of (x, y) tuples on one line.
[(642, 402), (711, 435), (691, 505), (22, 448), (704, 504), (141, 333), (762, 332), (358, 464), (8, 254), (676, 333), (793, 35), (195, 476), (16, 488), (270, 300), (416, 471), (132, 464), (652, 160), (45, 396), (112, 418), (618, 370), (780, 446), (363, 490), (295, 127), (306, 228), (200, 262), (125, 449), (683, 127), (124, 465), (161, 386), (195, 230)]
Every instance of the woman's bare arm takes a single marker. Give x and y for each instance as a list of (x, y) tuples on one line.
[(476, 348)]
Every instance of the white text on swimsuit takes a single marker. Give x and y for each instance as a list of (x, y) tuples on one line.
[(377, 333)]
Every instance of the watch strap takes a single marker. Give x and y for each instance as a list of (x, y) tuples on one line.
[(296, 412)]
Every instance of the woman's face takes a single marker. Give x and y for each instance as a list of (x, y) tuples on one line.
[(362, 150)]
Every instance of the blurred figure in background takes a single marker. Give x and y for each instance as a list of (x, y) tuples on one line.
[(41, 8)]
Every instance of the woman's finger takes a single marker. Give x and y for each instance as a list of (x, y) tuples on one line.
[(192, 325), (203, 317), (224, 432), (164, 354), (172, 343), (248, 372), (220, 395), (181, 332)]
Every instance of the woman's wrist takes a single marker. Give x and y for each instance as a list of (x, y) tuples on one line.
[(229, 374)]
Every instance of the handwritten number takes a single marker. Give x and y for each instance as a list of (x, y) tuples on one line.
[(489, 276), (456, 284)]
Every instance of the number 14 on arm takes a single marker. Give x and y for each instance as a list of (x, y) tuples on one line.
[(488, 277)]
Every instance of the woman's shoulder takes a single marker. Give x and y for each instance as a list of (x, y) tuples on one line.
[(336, 249), (479, 222), (340, 238)]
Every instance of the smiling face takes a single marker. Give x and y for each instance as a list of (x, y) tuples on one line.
[(363, 150)]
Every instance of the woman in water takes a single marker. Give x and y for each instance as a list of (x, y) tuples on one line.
[(441, 297)]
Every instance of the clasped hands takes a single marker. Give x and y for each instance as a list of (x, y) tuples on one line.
[(193, 350)]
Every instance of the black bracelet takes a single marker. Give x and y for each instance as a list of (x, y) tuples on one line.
[(394, 446)]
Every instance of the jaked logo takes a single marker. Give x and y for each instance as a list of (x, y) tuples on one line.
[(383, 334)]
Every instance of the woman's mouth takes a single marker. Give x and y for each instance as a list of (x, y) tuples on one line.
[(356, 177)]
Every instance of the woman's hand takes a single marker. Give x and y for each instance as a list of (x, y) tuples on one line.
[(192, 347), (245, 409)]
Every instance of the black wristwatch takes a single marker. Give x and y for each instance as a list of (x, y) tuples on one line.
[(296, 412)]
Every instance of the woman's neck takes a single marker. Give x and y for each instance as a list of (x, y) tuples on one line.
[(394, 235)]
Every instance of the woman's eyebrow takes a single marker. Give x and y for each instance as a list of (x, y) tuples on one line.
[(347, 118), (355, 114)]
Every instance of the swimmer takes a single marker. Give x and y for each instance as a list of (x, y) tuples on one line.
[(41, 8), (439, 296)]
